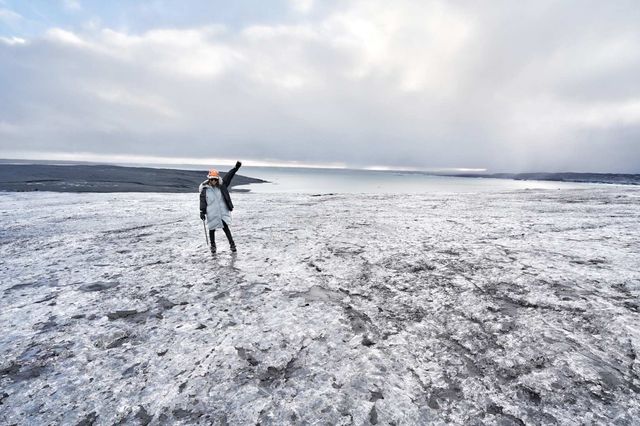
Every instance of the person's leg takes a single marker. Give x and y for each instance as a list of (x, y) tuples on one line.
[(227, 232), (212, 239)]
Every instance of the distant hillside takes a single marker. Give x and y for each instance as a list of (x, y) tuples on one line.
[(613, 178), (103, 178)]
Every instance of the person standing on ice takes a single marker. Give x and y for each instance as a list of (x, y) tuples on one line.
[(216, 205)]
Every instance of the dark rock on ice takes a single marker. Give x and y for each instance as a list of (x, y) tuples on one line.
[(50, 324), (27, 285), (99, 286), (112, 341), (274, 374), (247, 356), (375, 396), (131, 370), (121, 314), (18, 372), (432, 402), (532, 395), (143, 417), (47, 298), (359, 320), (419, 267), (165, 303), (9, 368), (88, 420), (633, 306), (373, 415), (367, 342), (117, 342), (182, 414), (497, 410)]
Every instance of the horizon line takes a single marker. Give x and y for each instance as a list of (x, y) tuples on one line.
[(119, 159)]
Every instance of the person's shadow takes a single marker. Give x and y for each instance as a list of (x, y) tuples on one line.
[(233, 256), (227, 263)]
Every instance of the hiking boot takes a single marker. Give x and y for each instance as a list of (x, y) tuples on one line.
[(213, 249), (233, 247)]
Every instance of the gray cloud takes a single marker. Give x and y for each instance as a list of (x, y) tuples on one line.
[(547, 85)]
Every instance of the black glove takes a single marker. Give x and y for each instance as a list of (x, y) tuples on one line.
[(238, 164), (202, 215)]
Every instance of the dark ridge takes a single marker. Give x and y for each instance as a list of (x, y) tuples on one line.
[(613, 178), (103, 178)]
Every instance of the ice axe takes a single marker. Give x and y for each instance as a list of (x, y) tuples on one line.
[(206, 234)]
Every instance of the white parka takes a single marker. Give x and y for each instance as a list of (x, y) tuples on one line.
[(217, 210)]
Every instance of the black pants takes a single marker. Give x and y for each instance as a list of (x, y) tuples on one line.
[(227, 232)]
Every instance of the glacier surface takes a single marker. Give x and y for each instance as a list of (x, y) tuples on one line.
[(515, 307)]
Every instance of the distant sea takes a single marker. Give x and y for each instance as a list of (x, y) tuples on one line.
[(305, 180), (340, 181), (48, 176)]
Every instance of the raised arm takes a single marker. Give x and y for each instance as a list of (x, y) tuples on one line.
[(230, 174)]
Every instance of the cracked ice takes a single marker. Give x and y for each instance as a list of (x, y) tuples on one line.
[(489, 308)]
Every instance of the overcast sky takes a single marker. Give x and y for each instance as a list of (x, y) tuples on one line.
[(536, 85)]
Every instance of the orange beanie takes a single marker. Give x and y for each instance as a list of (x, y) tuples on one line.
[(213, 173)]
